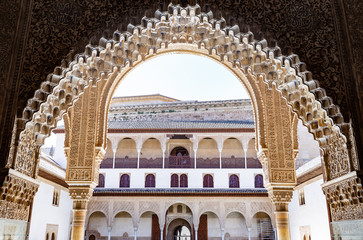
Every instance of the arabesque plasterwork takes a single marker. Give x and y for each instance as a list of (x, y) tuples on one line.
[(277, 84)]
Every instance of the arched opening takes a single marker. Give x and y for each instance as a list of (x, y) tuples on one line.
[(107, 161), (179, 222), (232, 154), (179, 158), (122, 225), (258, 57), (149, 227), (235, 226), (97, 225), (209, 226), (151, 149), (207, 147), (262, 227), (126, 154), (179, 229)]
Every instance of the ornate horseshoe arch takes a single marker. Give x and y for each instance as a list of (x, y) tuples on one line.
[(280, 88)]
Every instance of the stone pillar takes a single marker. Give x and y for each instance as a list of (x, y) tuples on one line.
[(222, 233), (135, 233), (281, 196), (80, 194), (79, 220), (196, 233), (109, 233), (249, 233)]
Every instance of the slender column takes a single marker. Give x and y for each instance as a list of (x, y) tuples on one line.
[(79, 219), (222, 233), (109, 233), (196, 234), (161, 233), (138, 157), (114, 158), (163, 158), (220, 158), (249, 233), (195, 158), (135, 233), (245, 158)]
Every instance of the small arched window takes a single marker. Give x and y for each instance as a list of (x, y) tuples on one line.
[(258, 181), (101, 180), (179, 209), (174, 182), (208, 181), (150, 180), (125, 181), (53, 236), (183, 181), (92, 237), (47, 236), (233, 181)]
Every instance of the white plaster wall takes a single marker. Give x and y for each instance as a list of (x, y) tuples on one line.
[(195, 177), (44, 213), (121, 224), (144, 229), (214, 228), (59, 155), (235, 225), (314, 213), (98, 222)]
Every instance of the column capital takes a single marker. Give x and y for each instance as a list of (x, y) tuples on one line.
[(280, 196), (80, 194)]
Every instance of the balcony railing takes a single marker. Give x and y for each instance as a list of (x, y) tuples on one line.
[(181, 162)]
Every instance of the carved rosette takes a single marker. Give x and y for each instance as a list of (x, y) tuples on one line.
[(16, 195), (345, 198)]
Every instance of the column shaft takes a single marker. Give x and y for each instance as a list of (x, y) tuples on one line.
[(79, 218), (282, 225)]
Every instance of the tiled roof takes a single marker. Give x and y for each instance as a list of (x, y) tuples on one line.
[(179, 124), (179, 191)]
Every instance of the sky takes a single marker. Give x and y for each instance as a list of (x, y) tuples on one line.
[(184, 77)]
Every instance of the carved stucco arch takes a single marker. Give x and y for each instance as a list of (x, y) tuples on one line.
[(269, 78)]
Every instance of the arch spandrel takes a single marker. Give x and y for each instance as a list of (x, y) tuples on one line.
[(93, 77)]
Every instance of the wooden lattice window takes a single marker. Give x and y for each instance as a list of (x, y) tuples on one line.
[(233, 181), (101, 180), (183, 181), (125, 181), (258, 181), (208, 181), (150, 180), (174, 182)]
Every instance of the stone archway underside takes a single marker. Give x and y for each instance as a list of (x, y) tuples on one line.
[(279, 86)]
